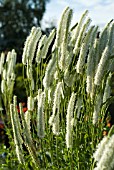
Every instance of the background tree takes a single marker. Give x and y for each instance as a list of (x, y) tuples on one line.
[(16, 19)]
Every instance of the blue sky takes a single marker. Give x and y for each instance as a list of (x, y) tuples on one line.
[(100, 11)]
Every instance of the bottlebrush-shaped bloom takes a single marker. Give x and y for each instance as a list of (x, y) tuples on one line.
[(49, 74), (107, 158), (57, 99), (104, 36), (97, 107), (100, 149), (91, 59), (30, 45), (101, 66), (83, 51), (16, 132), (78, 28), (107, 90), (24, 56), (79, 105), (69, 117), (55, 125), (64, 44), (41, 117), (30, 103), (29, 71), (27, 118), (50, 95), (80, 37), (40, 46), (28, 138), (48, 43), (111, 38), (59, 35), (11, 63), (8, 58)]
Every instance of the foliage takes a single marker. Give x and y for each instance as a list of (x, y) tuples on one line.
[(16, 19)]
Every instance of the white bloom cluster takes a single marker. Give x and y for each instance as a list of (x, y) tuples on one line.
[(69, 117), (8, 75), (30, 103), (11, 63), (64, 44), (100, 70), (40, 46), (57, 99), (83, 51), (55, 125), (78, 28), (59, 35), (27, 119), (16, 132), (106, 151), (40, 115), (8, 56), (100, 149), (43, 46), (89, 86), (97, 107), (49, 74), (80, 37), (29, 71), (104, 36), (48, 43), (111, 39), (91, 59), (50, 94), (30, 45), (27, 137), (107, 90), (79, 105)]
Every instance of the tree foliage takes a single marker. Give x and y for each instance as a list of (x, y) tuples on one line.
[(16, 19)]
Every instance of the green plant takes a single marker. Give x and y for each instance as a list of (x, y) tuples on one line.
[(67, 98)]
